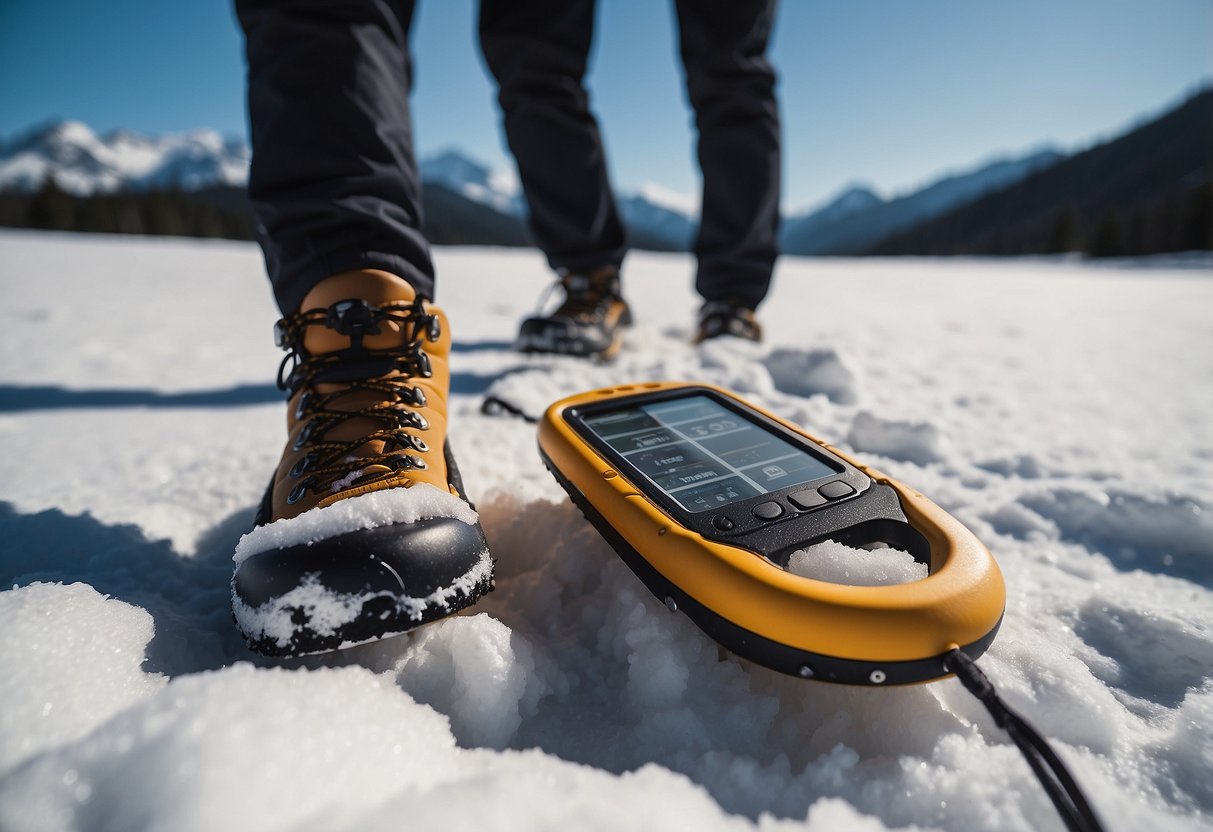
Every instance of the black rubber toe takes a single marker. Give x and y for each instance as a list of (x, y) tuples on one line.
[(392, 564), (564, 336)]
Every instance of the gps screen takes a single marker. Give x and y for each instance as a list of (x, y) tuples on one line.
[(701, 454)]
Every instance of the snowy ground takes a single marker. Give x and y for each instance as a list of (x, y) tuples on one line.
[(1063, 411)]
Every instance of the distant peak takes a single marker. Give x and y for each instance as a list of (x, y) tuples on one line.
[(52, 133), (668, 198), (852, 198), (73, 131), (857, 192)]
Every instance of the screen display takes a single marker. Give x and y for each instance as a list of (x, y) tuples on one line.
[(701, 454)]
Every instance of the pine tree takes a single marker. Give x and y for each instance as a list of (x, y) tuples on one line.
[(1064, 235), (1106, 241)]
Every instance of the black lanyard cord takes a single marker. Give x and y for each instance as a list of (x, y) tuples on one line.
[(495, 405), (1058, 783)]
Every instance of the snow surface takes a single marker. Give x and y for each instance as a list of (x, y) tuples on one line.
[(1060, 410)]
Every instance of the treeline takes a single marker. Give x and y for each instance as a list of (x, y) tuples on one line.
[(219, 212), (224, 212), (1181, 221)]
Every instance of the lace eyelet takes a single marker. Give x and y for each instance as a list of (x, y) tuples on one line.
[(419, 444), (299, 491), (304, 436), (302, 465), (301, 407), (405, 462), (412, 396)]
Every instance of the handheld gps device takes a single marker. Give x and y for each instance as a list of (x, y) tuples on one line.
[(705, 497)]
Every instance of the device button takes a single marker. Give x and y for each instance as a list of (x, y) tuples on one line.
[(723, 523), (806, 499), (768, 510), (835, 490)]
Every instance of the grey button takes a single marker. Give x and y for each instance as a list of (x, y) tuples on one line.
[(808, 498), (835, 490), (768, 510), (723, 523)]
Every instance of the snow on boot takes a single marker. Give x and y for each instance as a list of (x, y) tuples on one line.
[(589, 322), (365, 530)]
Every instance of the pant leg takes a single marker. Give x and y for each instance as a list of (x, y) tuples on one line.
[(731, 85), (537, 51), (334, 182)]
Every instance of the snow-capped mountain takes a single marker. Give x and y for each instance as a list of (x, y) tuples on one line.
[(858, 217), (470, 178), (469, 197), (657, 217), (853, 199), (84, 163)]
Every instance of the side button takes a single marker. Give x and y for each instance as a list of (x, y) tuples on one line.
[(768, 510), (806, 499), (723, 523), (835, 490)]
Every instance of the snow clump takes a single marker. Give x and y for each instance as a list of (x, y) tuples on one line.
[(838, 564)]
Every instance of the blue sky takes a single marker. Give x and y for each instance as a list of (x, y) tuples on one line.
[(890, 93)]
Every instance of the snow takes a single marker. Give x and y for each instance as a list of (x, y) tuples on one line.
[(839, 564), (83, 163), (327, 611), (669, 199), (366, 511), (1058, 409)]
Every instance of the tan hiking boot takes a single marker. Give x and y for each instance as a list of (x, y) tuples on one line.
[(589, 322), (365, 530)]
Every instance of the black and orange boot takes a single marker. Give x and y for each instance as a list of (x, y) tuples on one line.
[(366, 530), (719, 319), (589, 322)]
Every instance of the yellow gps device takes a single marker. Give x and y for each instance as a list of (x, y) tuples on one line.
[(705, 497)]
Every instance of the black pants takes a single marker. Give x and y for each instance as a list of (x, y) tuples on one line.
[(537, 51), (334, 181)]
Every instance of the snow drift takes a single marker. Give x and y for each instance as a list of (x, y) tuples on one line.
[(1060, 410)]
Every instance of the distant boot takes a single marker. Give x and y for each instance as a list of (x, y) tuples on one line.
[(720, 318), (365, 530), (589, 322)]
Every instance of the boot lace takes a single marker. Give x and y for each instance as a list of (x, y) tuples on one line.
[(386, 373)]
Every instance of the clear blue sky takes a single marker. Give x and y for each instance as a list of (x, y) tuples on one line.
[(887, 92)]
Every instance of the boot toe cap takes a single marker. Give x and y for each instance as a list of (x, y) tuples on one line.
[(359, 585)]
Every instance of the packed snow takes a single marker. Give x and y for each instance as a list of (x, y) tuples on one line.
[(366, 511), (1059, 409), (836, 563)]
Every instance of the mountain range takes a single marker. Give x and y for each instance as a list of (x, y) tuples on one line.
[(1148, 191), (1151, 177), (84, 163), (858, 218), (466, 202)]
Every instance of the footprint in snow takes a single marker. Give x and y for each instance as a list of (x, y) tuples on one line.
[(918, 442), (809, 372)]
